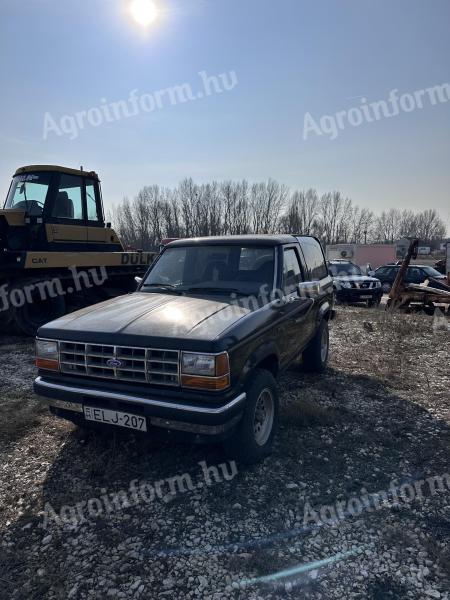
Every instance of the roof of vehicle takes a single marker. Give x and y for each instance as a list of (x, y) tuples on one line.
[(338, 261), (409, 266), (58, 169), (239, 240)]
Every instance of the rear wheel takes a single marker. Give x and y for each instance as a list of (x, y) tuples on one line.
[(429, 309), (32, 307), (253, 438), (315, 356), (6, 321)]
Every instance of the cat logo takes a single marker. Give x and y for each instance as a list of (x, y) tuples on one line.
[(39, 261)]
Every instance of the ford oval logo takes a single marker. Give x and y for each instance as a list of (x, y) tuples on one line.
[(115, 363)]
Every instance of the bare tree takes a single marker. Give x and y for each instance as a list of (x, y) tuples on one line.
[(235, 208), (430, 226)]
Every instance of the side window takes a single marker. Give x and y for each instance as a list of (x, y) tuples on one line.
[(314, 258), (415, 275), (292, 274), (69, 203), (91, 203)]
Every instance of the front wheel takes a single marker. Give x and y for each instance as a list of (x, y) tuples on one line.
[(374, 302), (253, 439), (315, 356)]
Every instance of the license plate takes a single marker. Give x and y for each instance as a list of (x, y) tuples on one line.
[(113, 417), (75, 406), (365, 297)]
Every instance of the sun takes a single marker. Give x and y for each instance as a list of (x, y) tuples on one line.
[(144, 12)]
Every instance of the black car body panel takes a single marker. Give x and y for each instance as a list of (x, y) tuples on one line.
[(414, 274)]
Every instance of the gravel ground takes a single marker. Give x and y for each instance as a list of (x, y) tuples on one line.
[(379, 419)]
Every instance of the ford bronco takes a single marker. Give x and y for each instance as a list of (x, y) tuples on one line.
[(197, 348)]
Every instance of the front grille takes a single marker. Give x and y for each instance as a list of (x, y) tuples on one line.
[(364, 285), (144, 365)]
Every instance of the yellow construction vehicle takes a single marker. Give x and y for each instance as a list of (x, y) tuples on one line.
[(57, 253)]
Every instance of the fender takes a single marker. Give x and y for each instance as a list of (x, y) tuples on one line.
[(325, 311), (267, 349)]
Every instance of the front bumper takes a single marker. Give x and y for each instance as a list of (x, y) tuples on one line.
[(67, 400), (359, 294)]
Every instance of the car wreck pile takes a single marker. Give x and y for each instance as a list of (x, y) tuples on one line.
[(424, 297)]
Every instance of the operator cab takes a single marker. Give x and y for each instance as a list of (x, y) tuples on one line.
[(66, 194), (56, 208)]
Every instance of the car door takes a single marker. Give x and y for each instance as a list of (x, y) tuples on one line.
[(66, 223), (415, 275), (293, 332), (383, 274)]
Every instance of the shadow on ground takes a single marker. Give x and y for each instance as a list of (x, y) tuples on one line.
[(338, 434)]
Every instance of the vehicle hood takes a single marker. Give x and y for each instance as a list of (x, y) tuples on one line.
[(355, 278), (143, 319)]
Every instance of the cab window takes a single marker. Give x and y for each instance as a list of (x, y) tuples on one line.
[(91, 202), (69, 199), (28, 192), (292, 274)]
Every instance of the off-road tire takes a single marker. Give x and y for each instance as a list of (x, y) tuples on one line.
[(315, 356), (250, 442), (371, 303), (29, 316)]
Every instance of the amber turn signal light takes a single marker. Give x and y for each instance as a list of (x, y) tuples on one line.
[(222, 364), (47, 364), (205, 383)]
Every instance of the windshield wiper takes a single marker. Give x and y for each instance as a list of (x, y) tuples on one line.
[(167, 287), (216, 290)]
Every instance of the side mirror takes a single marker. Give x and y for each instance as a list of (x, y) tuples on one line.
[(138, 281), (309, 288), (371, 273)]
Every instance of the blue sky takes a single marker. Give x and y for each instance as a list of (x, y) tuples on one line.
[(290, 57)]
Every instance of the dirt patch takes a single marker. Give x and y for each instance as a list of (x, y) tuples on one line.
[(381, 414)]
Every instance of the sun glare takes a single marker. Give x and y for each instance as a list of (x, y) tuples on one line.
[(144, 12)]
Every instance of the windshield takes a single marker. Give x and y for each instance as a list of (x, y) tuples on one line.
[(28, 192), (247, 270), (432, 272), (344, 269)]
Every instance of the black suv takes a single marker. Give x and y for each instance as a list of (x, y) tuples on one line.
[(414, 274), (351, 285), (196, 349)]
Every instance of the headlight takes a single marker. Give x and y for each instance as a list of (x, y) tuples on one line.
[(378, 284), (346, 284), (198, 364), (205, 371), (47, 356)]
